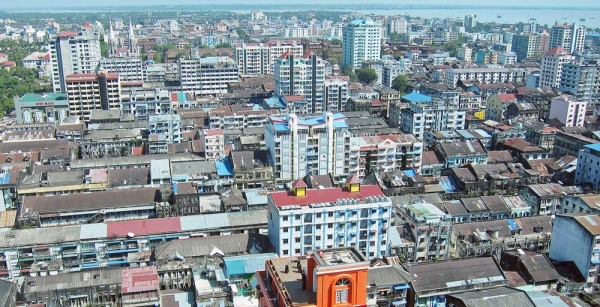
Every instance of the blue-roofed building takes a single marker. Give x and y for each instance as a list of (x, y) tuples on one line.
[(588, 165), (317, 145), (241, 269), (416, 97)]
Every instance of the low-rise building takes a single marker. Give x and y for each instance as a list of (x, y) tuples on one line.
[(544, 199), (461, 153), (588, 165), (41, 108), (433, 281)]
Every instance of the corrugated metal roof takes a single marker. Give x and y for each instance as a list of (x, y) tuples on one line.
[(495, 297), (246, 264), (93, 231), (144, 227), (209, 221)]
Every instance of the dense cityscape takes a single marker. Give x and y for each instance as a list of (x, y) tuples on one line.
[(247, 157)]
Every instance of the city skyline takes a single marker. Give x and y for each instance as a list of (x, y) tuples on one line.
[(507, 3)]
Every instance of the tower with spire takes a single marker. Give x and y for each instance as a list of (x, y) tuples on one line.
[(112, 40), (132, 42)]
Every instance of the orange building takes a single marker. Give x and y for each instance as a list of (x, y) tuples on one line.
[(335, 277)]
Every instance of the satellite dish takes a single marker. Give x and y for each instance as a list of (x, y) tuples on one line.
[(130, 235)]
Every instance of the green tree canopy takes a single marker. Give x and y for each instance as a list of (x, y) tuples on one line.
[(400, 83), (223, 45), (16, 82), (335, 41), (366, 75), (348, 72)]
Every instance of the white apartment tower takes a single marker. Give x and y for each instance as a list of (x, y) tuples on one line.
[(130, 69), (259, 58), (552, 65), (207, 76), (73, 53), (303, 76), (568, 111), (299, 146), (361, 42), (312, 219), (570, 37)]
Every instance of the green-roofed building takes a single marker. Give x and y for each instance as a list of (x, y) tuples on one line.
[(41, 108)]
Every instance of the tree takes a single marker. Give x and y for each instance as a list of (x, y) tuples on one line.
[(452, 47), (223, 45), (348, 72), (335, 41), (207, 55), (367, 75), (103, 47), (400, 83)]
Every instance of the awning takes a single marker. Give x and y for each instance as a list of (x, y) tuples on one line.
[(401, 287)]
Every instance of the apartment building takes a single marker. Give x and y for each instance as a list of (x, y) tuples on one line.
[(552, 66), (238, 117), (94, 91), (588, 168), (362, 42), (73, 53), (497, 105), (130, 69), (335, 94), (484, 75), (317, 145), (582, 80), (303, 76), (213, 143), (570, 37), (570, 112), (430, 227), (575, 237), (164, 130), (307, 219), (429, 114), (207, 76), (259, 58), (143, 104), (385, 153)]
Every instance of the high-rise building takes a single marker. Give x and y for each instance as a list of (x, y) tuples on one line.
[(582, 80), (552, 65), (335, 94), (525, 46), (588, 165), (315, 145), (130, 69), (73, 53), (88, 92), (424, 113), (207, 76), (464, 53), (309, 219), (570, 37), (361, 42), (398, 25), (304, 76), (259, 58), (470, 22)]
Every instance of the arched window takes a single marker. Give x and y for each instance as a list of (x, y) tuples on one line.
[(342, 290)]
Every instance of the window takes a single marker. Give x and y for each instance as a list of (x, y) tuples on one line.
[(297, 216), (297, 251), (318, 226), (329, 237), (285, 241), (318, 215), (341, 294), (330, 225), (330, 214), (285, 252), (318, 238), (285, 218), (297, 240), (285, 229), (297, 228)]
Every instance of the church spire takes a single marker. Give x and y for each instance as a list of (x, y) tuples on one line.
[(132, 40), (112, 42)]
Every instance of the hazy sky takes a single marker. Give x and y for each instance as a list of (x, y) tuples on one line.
[(301, 4)]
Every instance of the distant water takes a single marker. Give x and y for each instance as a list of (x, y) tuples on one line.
[(507, 15)]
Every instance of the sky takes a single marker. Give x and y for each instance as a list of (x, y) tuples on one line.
[(301, 3)]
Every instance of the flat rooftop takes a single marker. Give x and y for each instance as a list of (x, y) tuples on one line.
[(292, 280), (337, 256)]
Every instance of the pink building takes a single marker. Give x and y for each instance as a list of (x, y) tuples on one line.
[(568, 111), (214, 144)]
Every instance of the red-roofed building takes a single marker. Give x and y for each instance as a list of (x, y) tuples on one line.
[(8, 64), (139, 285), (143, 227), (354, 215)]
